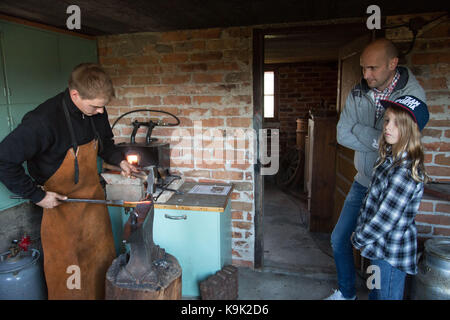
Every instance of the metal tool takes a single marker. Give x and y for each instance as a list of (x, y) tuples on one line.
[(114, 203)]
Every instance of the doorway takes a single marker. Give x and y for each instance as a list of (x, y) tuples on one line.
[(303, 61)]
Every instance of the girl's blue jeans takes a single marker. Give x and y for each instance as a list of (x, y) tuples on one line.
[(392, 282), (340, 240)]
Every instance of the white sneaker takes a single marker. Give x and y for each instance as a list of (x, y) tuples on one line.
[(337, 295)]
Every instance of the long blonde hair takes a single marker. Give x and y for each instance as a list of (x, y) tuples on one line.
[(409, 142)]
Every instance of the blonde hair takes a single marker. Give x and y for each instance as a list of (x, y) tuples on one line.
[(91, 82), (409, 141)]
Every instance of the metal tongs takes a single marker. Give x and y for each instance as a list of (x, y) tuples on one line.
[(114, 203)]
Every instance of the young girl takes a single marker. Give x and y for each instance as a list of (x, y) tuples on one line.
[(385, 232)]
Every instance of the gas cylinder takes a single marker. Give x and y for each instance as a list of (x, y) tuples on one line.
[(21, 276)]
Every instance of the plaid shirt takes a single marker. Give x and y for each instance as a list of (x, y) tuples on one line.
[(384, 95), (385, 228)]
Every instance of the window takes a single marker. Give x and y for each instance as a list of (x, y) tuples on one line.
[(270, 96)]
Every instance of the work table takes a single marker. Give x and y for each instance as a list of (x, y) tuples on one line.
[(196, 201)]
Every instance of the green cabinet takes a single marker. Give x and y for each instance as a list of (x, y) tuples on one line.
[(35, 65), (201, 242), (196, 230), (31, 63)]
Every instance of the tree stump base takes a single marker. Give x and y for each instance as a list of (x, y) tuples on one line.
[(168, 286)]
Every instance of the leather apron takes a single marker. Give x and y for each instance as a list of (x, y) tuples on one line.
[(77, 234)]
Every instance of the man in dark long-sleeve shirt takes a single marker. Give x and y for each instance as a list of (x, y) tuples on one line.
[(60, 141), (43, 138)]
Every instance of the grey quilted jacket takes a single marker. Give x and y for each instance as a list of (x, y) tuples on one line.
[(357, 128)]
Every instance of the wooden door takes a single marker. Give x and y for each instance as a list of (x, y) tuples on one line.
[(349, 74)]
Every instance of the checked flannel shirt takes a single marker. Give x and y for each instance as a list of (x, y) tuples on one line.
[(385, 228)]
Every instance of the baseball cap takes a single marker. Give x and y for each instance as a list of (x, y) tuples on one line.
[(414, 106)]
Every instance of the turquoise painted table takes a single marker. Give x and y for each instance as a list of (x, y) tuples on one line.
[(195, 229)]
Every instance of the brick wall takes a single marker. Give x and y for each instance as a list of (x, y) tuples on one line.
[(204, 77), (303, 86), (430, 62)]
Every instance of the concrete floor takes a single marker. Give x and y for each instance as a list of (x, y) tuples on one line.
[(298, 264)]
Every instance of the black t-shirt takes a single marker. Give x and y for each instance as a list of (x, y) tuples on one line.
[(42, 140)]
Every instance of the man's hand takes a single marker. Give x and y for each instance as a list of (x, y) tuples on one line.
[(51, 200), (127, 168)]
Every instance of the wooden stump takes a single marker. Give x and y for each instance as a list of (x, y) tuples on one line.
[(168, 286)]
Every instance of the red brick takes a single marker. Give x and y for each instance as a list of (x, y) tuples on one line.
[(442, 159), (210, 56), (159, 89), (150, 101), (113, 61), (246, 99), (234, 253), (131, 71), (434, 84), (226, 112), (193, 67), (189, 46), (431, 58), (174, 58), (131, 92), (239, 122), (241, 206), (435, 219), (426, 206), (189, 112), (235, 195), (120, 81), (208, 99), (207, 78), (142, 80), (437, 146), (179, 100), (235, 235), (442, 232), (141, 60), (438, 171), (212, 33), (445, 208), (242, 263), (210, 166), (433, 133), (225, 66), (197, 173), (242, 225), (176, 79), (213, 122), (175, 36), (428, 158), (436, 109), (227, 175), (241, 166), (115, 102)]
